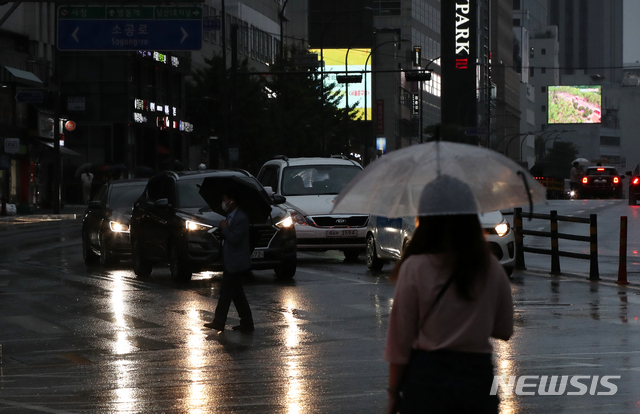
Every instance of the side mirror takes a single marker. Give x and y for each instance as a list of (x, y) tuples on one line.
[(162, 203), (95, 205), (279, 199), (269, 190)]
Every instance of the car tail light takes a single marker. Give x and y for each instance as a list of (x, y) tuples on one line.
[(585, 180), (616, 180), (636, 180), (600, 169)]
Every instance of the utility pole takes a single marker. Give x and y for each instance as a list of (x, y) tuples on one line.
[(233, 95)]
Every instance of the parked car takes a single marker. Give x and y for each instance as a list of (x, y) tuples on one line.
[(387, 238), (172, 224), (634, 185), (311, 186), (105, 225), (601, 181)]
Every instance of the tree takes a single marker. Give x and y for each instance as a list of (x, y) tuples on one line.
[(263, 116), (557, 163)]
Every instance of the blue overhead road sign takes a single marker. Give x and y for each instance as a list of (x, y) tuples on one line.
[(118, 28), (475, 132)]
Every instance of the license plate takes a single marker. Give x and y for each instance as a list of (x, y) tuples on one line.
[(257, 254), (342, 233)]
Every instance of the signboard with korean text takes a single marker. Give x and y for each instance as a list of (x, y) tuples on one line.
[(118, 28)]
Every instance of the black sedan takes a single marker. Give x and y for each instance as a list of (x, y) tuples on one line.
[(105, 226), (600, 181)]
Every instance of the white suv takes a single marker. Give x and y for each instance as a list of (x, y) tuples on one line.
[(310, 186)]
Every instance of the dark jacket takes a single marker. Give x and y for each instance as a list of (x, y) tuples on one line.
[(236, 251)]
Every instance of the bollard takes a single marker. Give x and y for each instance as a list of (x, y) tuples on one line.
[(555, 251), (517, 224), (622, 266), (3, 210), (594, 273)]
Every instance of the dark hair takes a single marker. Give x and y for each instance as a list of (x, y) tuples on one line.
[(461, 238), (231, 193)]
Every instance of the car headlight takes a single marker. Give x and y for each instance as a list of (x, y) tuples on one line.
[(285, 223), (195, 226), (118, 227), (298, 218), (502, 229)]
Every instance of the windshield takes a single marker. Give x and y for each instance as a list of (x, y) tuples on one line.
[(123, 197), (189, 193), (317, 179), (603, 171)]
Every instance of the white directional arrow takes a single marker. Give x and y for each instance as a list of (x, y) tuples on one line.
[(75, 35), (184, 34)]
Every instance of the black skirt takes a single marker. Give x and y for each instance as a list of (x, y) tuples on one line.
[(445, 381)]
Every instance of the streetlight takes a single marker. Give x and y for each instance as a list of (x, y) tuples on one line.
[(366, 62), (324, 31), (57, 168)]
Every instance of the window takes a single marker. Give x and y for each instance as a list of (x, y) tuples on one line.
[(543, 51), (531, 71), (516, 4), (316, 179), (543, 70), (543, 108), (543, 89), (516, 22), (610, 141), (269, 177)]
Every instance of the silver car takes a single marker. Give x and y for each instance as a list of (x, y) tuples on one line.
[(387, 238)]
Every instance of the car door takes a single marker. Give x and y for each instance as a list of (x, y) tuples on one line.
[(158, 221), (390, 236), (94, 217)]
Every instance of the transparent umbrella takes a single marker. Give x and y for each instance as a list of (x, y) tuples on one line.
[(439, 178), (582, 161)]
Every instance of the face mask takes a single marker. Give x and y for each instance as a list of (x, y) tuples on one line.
[(224, 206)]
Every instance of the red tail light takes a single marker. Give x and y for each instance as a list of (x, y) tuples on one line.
[(600, 169), (636, 180), (585, 180), (616, 180)]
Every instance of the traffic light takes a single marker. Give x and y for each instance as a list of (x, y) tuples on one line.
[(416, 76)]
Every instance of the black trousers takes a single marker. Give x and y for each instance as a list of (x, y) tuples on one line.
[(448, 382), (231, 291)]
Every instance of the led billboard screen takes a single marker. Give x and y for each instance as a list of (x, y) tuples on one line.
[(575, 104), (358, 92)]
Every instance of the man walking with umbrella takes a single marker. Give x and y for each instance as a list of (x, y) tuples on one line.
[(236, 261)]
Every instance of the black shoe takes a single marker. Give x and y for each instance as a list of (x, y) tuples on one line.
[(244, 328), (215, 325)]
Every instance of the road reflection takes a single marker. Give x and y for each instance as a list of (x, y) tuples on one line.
[(505, 366), (125, 398), (198, 399), (295, 385)]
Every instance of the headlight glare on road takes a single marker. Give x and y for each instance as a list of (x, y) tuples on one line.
[(502, 229), (287, 222), (195, 226), (118, 227)]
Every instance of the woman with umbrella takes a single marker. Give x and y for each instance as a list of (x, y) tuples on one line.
[(452, 295)]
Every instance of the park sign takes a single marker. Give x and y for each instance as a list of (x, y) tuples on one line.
[(129, 28)]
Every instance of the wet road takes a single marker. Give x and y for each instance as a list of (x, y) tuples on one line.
[(78, 340)]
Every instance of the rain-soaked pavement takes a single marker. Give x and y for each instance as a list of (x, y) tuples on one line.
[(78, 340)]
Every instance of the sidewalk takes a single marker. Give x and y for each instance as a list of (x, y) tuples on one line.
[(68, 212)]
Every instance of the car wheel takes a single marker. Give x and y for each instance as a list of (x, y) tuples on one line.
[(286, 271), (372, 259), (106, 258), (141, 266), (179, 269), (351, 255), (89, 257)]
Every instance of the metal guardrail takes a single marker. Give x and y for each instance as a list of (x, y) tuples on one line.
[(555, 251)]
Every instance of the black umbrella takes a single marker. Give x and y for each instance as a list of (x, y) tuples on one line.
[(250, 194)]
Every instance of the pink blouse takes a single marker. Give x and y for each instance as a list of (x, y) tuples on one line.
[(454, 323)]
